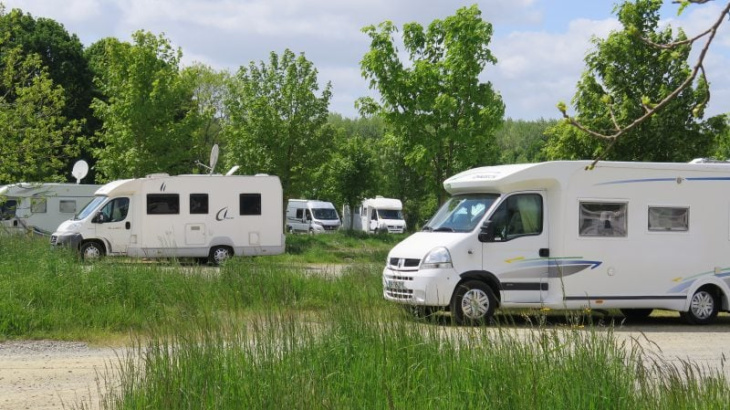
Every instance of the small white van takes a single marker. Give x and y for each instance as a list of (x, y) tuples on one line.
[(628, 236), (304, 215), (196, 216), (40, 207), (376, 215)]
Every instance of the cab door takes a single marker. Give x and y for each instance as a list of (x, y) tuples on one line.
[(114, 225), (517, 252)]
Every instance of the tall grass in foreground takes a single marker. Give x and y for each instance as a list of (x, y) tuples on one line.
[(45, 293), (350, 358)]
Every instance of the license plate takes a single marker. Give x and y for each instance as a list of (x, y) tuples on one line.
[(395, 285)]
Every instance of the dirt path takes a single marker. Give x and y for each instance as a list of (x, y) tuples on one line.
[(52, 375)]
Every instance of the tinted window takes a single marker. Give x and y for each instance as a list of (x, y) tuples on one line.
[(668, 219), (250, 204), (518, 215), (38, 205), (198, 203), (67, 206), (163, 204)]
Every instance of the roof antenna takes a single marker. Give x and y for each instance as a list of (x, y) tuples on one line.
[(213, 160), (80, 169)]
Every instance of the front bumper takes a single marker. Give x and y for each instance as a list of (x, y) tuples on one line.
[(72, 240), (427, 287)]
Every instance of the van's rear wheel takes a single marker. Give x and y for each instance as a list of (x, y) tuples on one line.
[(473, 303), (90, 251), (220, 254), (703, 308)]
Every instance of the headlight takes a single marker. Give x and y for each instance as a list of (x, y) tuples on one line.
[(436, 259)]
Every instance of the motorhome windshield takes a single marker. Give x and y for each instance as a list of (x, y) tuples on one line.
[(325, 213), (90, 207), (461, 213), (390, 214)]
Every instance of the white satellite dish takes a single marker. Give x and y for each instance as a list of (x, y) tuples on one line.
[(213, 158), (80, 169), (232, 170)]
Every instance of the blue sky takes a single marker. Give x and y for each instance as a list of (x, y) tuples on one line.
[(540, 44)]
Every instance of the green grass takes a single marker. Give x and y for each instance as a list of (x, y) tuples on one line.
[(49, 293), (266, 332)]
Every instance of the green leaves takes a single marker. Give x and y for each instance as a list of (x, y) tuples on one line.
[(443, 117)]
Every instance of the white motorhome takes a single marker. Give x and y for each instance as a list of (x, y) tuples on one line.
[(304, 215), (198, 216), (629, 236), (377, 215), (41, 207)]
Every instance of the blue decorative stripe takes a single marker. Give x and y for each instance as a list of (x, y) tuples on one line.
[(673, 179)]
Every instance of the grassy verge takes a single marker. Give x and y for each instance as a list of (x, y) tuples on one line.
[(49, 293)]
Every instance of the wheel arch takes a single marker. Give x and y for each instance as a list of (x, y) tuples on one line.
[(486, 277), (717, 287)]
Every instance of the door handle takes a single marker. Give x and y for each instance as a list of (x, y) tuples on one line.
[(544, 252), (128, 225)]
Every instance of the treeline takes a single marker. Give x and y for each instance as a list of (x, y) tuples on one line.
[(131, 108)]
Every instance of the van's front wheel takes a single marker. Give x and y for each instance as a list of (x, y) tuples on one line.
[(90, 251), (473, 303)]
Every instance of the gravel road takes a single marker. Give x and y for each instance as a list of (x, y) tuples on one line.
[(58, 375)]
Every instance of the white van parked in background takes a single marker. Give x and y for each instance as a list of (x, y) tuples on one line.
[(628, 236), (377, 215), (40, 207), (199, 216), (304, 215)]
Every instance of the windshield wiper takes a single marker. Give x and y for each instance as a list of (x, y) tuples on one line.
[(426, 228), (444, 229)]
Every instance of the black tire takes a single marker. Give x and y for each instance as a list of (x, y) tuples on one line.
[(473, 303), (90, 251), (636, 313), (290, 229), (703, 308), (219, 254)]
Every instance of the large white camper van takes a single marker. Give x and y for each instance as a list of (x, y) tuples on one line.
[(200, 216), (304, 215), (629, 236), (40, 207), (377, 215)]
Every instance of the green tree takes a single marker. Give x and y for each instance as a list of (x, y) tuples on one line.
[(626, 75), (522, 141), (62, 59), (37, 140), (441, 118), (148, 113), (277, 124)]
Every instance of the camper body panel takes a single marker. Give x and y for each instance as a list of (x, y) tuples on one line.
[(183, 216), (313, 216), (623, 235), (41, 207)]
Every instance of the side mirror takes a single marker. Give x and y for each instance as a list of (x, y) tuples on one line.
[(100, 218), (486, 233)]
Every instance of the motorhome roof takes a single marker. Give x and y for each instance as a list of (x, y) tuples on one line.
[(26, 189), (504, 178)]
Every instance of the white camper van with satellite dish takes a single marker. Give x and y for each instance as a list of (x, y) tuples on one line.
[(39, 207), (304, 215), (628, 236), (186, 216), (378, 215)]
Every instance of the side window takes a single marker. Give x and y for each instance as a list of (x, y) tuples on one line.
[(300, 213), (374, 215), (7, 208), (198, 204), (163, 204), (115, 210), (662, 219), (250, 204), (38, 205), (603, 219), (67, 206), (518, 215)]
